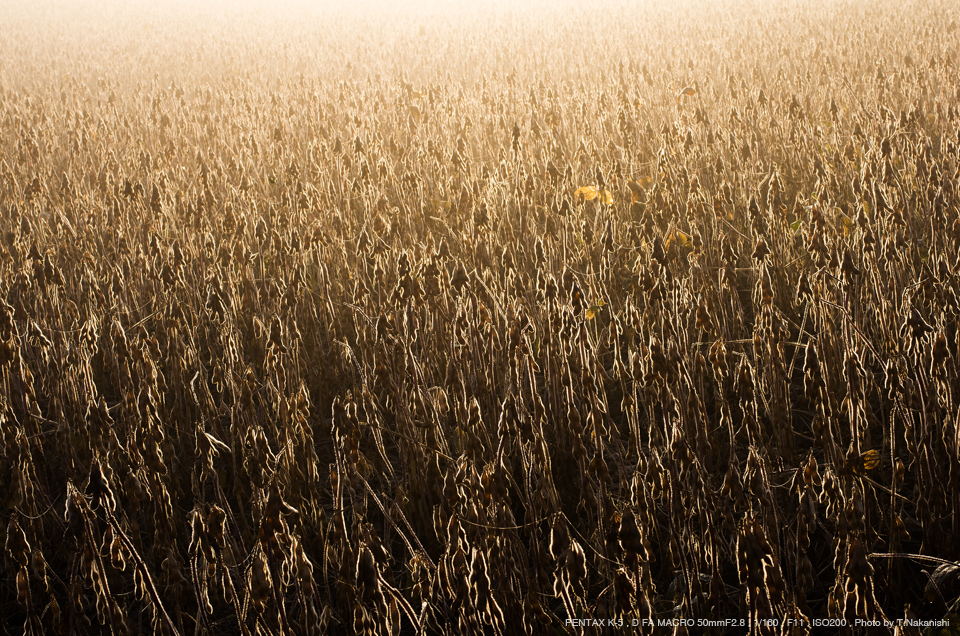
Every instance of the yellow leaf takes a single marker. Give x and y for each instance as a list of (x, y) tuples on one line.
[(677, 237), (637, 187), (859, 466), (871, 459), (689, 91), (847, 225), (589, 193), (594, 308)]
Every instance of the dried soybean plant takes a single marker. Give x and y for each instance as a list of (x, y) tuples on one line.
[(296, 341)]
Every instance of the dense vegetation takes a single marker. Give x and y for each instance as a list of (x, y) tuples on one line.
[(410, 321)]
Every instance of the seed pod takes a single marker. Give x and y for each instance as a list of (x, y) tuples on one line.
[(260, 584), (575, 567), (629, 535), (761, 250), (367, 576), (559, 538), (17, 545), (941, 352), (98, 490)]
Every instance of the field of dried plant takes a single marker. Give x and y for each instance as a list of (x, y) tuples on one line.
[(416, 321)]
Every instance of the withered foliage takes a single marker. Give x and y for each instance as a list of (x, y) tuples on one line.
[(370, 326)]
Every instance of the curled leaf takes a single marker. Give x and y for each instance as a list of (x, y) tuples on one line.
[(637, 187), (847, 225), (589, 193), (678, 238), (594, 309)]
